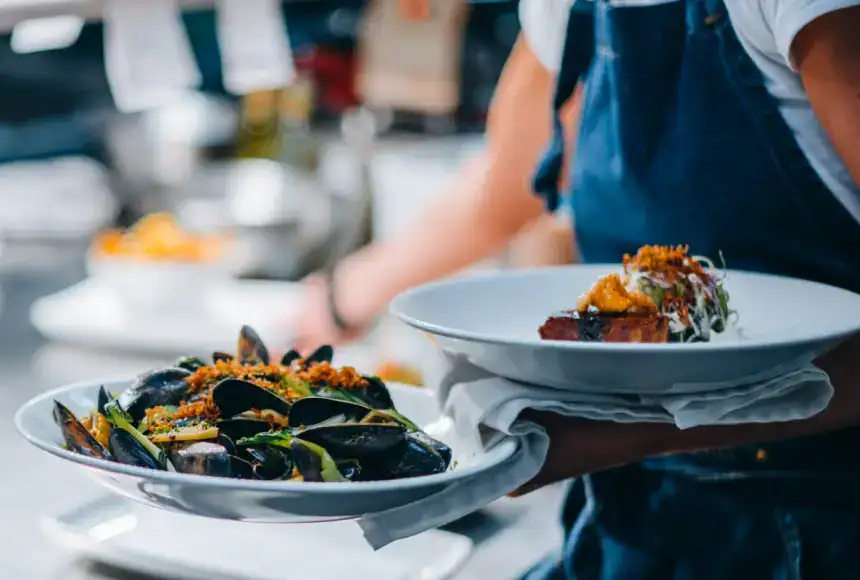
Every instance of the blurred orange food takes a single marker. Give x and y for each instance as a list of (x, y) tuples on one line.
[(398, 373), (158, 236)]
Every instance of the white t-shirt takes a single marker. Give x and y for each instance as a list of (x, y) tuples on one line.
[(766, 28)]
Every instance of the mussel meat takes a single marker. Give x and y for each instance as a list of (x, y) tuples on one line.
[(235, 396), (353, 440), (314, 463), (290, 357), (251, 349), (312, 410), (201, 458), (189, 363), (160, 387), (77, 438), (129, 451)]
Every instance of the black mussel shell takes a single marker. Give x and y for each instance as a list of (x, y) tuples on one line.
[(235, 396), (228, 443), (443, 450), (269, 462), (350, 469), (413, 459), (103, 399), (313, 462), (313, 410), (201, 458), (219, 356), (251, 349), (76, 436), (290, 357), (129, 450), (325, 353), (189, 363), (160, 387), (242, 428), (241, 469), (355, 441), (375, 394)]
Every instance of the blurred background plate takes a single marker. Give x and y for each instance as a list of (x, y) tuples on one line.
[(94, 315), (129, 536)]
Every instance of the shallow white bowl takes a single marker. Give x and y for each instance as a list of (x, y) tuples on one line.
[(493, 320), (161, 284), (254, 501)]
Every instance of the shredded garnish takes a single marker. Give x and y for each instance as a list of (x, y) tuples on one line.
[(683, 289)]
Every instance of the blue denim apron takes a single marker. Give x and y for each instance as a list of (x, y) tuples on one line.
[(680, 143)]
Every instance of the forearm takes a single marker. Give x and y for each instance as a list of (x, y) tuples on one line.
[(580, 446), (452, 232)]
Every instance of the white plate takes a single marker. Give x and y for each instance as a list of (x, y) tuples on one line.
[(256, 501), (93, 314), (493, 319), (129, 536)]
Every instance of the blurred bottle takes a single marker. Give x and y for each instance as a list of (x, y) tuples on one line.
[(260, 132), (275, 124)]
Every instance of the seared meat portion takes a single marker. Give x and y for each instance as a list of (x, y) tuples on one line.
[(606, 327)]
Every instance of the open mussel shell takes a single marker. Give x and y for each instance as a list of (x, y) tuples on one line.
[(235, 396), (355, 441), (76, 436), (189, 363), (129, 450), (269, 463), (325, 353), (201, 458), (241, 428), (443, 450), (314, 410), (219, 356), (413, 459), (290, 357), (160, 387), (251, 348)]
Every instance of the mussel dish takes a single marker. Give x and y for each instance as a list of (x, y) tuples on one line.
[(251, 416)]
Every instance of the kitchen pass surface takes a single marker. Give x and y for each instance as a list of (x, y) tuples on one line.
[(164, 544)]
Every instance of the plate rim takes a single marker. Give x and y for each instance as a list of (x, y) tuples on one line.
[(498, 454), (396, 308)]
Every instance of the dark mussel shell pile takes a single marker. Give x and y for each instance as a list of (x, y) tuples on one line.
[(245, 416)]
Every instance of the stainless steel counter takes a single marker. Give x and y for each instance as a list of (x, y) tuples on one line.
[(508, 535)]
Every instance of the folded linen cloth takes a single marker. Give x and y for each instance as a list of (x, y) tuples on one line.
[(483, 410)]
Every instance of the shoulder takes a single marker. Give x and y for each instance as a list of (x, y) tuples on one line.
[(544, 23), (773, 25)]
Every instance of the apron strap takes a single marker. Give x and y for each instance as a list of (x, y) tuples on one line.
[(578, 52)]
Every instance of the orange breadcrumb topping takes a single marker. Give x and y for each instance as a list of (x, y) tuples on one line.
[(285, 382), (610, 295), (662, 259)]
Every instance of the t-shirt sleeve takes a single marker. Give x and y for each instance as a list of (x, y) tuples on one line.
[(544, 24), (788, 17)]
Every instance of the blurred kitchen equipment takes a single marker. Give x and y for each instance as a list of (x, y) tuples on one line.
[(180, 158), (50, 209)]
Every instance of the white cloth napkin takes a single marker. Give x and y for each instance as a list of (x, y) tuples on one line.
[(484, 408)]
